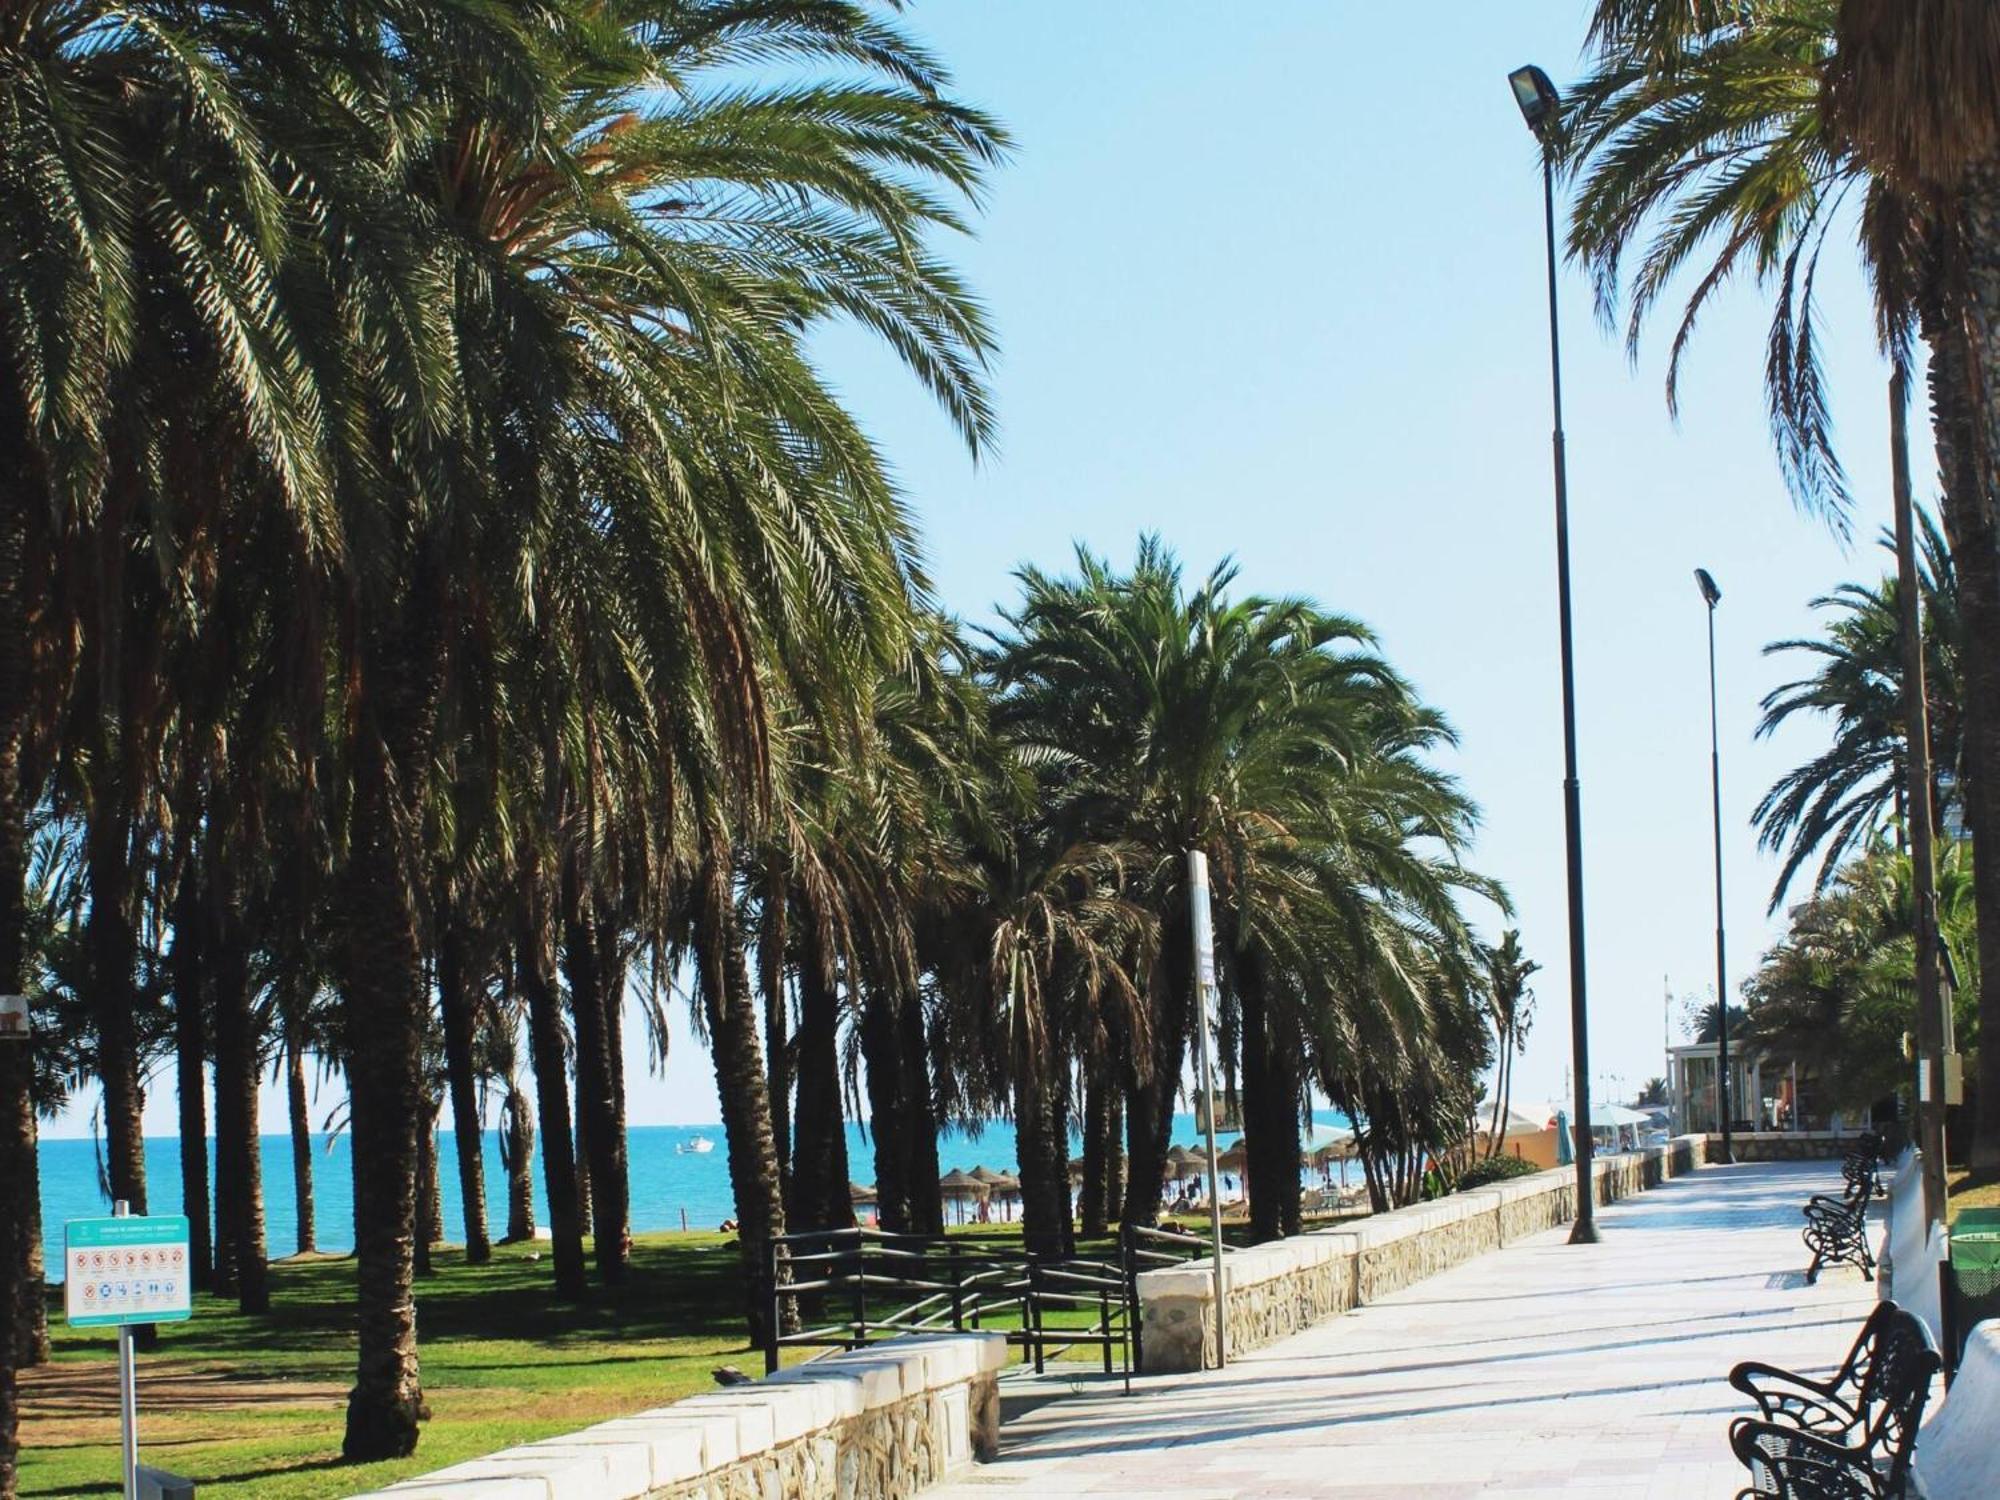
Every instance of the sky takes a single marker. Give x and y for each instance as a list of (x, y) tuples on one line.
[(1268, 280)]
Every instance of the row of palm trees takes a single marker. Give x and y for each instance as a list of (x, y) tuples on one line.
[(445, 616), (1716, 138), (421, 529)]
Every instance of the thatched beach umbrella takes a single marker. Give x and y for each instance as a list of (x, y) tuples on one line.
[(863, 1196), (986, 1175), (962, 1187)]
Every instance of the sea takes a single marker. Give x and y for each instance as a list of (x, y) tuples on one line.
[(672, 1188)]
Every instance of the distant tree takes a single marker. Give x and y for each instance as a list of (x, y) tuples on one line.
[(1513, 1011), (1653, 1095)]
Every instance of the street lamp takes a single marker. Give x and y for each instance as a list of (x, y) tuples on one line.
[(1541, 107), (1713, 596)]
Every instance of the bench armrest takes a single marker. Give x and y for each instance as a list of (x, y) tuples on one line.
[(1795, 1400)]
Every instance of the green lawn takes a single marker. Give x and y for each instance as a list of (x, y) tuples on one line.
[(254, 1406)]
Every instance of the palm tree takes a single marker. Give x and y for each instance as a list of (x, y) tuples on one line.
[(114, 126), (1746, 127), (1270, 735), (1836, 802), (1513, 1010)]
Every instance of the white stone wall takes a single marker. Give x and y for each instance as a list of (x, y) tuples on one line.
[(872, 1424), (1278, 1288)]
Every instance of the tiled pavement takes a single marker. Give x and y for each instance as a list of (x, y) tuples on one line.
[(1539, 1370)]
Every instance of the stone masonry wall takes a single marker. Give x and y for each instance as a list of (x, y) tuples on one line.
[(1778, 1145), (890, 1453), (881, 1423), (1276, 1289)]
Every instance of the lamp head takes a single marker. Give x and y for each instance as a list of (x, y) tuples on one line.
[(1707, 586), (1541, 105)]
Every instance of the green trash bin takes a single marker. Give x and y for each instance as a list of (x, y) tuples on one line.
[(1971, 1278)]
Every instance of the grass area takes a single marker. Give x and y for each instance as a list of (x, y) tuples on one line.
[(255, 1406), (1968, 1190)]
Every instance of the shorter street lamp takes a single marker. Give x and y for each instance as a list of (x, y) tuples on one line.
[(1713, 596)]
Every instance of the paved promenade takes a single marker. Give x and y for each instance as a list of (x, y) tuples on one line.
[(1539, 1370)]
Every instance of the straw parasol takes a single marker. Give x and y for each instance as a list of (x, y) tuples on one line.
[(985, 1174), (962, 1187), (861, 1193)]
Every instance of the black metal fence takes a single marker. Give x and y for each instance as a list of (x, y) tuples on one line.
[(848, 1288)]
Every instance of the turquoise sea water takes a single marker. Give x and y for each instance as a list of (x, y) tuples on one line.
[(665, 1181)]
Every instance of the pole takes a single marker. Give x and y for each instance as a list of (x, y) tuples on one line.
[(1204, 977), (1917, 761), (128, 1392), (1584, 1231), (1721, 964)]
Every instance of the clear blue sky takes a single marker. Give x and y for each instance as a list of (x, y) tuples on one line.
[(1268, 281)]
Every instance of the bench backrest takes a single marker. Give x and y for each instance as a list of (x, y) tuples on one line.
[(1896, 1391)]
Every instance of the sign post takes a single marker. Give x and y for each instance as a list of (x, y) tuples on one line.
[(125, 1271), (1204, 982)]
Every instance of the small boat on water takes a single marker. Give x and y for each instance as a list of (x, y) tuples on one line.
[(699, 1145)]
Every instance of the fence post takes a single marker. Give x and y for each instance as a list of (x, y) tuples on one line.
[(860, 1292), (1035, 1309), (957, 1287), (1128, 1251), (772, 1312), (1104, 1320)]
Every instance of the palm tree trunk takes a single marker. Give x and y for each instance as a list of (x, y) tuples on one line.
[(545, 1047), (925, 1197), (1114, 1150), (1097, 1146), (881, 1051), (239, 1166), (458, 1006), (190, 1062), (113, 949), (580, 1154), (1262, 1085), (1152, 1085), (1042, 1146), (596, 1094), (302, 1145), (429, 1213), (1966, 426), (819, 1155), (518, 1123), (731, 1013), (382, 984), (777, 1051)]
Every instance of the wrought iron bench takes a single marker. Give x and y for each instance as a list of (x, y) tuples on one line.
[(1868, 1458), (1861, 1169), (1837, 1230), (1836, 1408)]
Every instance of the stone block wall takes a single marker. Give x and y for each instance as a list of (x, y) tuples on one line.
[(1277, 1289), (882, 1423), (1786, 1145)]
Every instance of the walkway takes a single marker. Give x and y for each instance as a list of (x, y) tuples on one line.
[(1539, 1370)]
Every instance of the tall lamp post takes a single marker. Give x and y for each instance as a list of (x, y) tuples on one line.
[(1713, 596), (1541, 107)]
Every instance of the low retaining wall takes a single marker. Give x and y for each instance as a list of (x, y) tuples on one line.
[(1278, 1288), (1787, 1145), (886, 1422)]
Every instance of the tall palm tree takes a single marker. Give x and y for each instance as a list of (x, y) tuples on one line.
[(128, 186), (1735, 133)]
